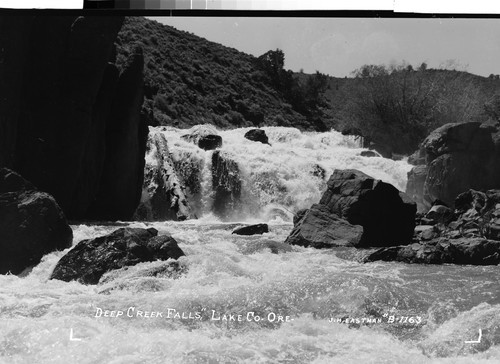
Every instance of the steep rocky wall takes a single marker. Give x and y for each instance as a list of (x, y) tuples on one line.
[(70, 119), (457, 157)]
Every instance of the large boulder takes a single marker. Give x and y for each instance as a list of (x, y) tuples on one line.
[(476, 251), (31, 224), (163, 195), (386, 214), (70, 116), (90, 259), (257, 135), (458, 157), (319, 228)]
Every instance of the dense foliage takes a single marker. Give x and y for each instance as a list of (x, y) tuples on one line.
[(399, 105), (189, 81)]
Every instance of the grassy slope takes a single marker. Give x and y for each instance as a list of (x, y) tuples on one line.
[(190, 81)]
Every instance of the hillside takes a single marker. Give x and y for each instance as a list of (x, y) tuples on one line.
[(189, 81), (399, 107)]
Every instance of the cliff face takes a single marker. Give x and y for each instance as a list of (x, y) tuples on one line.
[(456, 157), (69, 115)]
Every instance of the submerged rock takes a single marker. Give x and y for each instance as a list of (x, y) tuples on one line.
[(369, 153), (31, 224), (257, 135), (252, 230), (90, 259), (142, 277), (475, 251), (319, 228), (257, 246)]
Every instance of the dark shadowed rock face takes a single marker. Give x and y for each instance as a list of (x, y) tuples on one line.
[(257, 135), (257, 229), (226, 184), (386, 215), (458, 157), (126, 137), (70, 119), (31, 224), (319, 228), (10, 181), (90, 259), (474, 251)]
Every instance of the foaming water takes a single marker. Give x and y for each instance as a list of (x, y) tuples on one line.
[(291, 172), (261, 277)]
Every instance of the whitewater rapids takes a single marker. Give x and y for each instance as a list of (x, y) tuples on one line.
[(288, 175), (333, 309)]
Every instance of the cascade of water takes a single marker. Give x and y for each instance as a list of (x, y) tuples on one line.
[(287, 175)]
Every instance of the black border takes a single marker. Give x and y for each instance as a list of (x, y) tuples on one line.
[(247, 13)]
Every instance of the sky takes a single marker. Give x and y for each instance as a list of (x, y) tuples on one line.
[(338, 46)]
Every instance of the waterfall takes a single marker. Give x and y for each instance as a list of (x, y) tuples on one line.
[(246, 180)]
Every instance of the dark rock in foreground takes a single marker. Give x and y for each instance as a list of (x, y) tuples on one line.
[(386, 215), (70, 117), (475, 251), (257, 135), (90, 259), (319, 228), (252, 229), (31, 224)]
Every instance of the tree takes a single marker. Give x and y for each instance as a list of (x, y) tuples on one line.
[(398, 106), (304, 96)]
